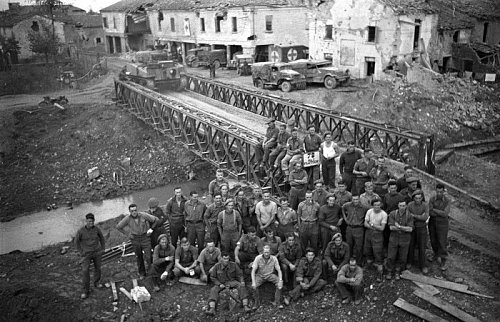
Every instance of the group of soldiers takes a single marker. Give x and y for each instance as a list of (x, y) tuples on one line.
[(368, 219)]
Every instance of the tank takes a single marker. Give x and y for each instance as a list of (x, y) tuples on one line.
[(155, 70)]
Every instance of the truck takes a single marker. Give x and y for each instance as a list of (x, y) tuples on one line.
[(205, 57), (278, 75), (321, 71), (242, 63), (154, 70)]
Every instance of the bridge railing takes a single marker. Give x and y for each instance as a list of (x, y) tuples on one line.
[(415, 148)]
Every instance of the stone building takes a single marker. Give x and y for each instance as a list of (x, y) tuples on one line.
[(126, 26), (366, 36), (253, 27), (72, 25)]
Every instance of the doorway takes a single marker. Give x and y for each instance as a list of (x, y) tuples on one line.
[(370, 66)]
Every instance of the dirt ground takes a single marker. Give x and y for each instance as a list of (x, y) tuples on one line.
[(45, 156)]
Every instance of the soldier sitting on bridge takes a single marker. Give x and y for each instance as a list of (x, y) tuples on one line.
[(269, 142)]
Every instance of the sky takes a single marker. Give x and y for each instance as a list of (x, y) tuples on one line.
[(95, 5)]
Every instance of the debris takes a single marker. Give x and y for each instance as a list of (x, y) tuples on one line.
[(415, 310), (93, 173), (445, 306), (64, 250), (192, 281), (115, 294), (124, 291)]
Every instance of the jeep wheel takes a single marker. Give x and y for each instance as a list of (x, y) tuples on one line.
[(330, 82), (286, 86), (239, 72), (195, 63), (259, 83), (217, 64)]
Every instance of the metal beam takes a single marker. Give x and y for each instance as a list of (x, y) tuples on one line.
[(397, 143)]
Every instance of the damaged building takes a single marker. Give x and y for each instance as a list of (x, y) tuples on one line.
[(259, 28), (126, 26), (366, 36)]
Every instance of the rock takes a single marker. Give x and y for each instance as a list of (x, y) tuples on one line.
[(64, 250), (459, 280), (93, 173)]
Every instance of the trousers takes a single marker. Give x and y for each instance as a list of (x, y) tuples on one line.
[(328, 168), (397, 251), (95, 257), (438, 234), (374, 246), (142, 250), (309, 235), (417, 243), (347, 290), (354, 237), (196, 233), (295, 293)]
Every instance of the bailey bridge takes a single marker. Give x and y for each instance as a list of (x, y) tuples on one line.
[(232, 146)]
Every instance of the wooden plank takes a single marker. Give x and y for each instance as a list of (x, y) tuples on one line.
[(478, 294), (134, 282), (427, 288), (415, 310), (434, 281), (445, 306), (115, 294), (124, 291)]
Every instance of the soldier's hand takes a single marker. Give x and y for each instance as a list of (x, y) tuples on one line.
[(237, 260), (334, 268), (280, 284), (222, 286), (254, 286), (292, 267), (149, 232)]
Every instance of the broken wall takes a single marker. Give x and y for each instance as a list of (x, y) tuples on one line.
[(463, 53), (350, 46), (492, 34)]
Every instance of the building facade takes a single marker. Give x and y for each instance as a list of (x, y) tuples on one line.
[(250, 27), (365, 36)]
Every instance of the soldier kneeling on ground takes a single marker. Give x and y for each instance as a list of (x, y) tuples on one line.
[(163, 261), (227, 275)]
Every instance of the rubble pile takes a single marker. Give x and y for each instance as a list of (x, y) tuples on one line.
[(448, 104)]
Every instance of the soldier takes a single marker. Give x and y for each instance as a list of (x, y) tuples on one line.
[(273, 241), (347, 161), (439, 211), (186, 260), (307, 213), (401, 225), (175, 213), (298, 184), (328, 151), (279, 152), (229, 225), (319, 193), (193, 212), (330, 219), (265, 212), (140, 225), (342, 196), (354, 216), (162, 220), (215, 185), (407, 192), (312, 143), (248, 247), (420, 212), (308, 276), (263, 269), (368, 196), (242, 205), (209, 256), (224, 193), (380, 176), (254, 199), (350, 282), (375, 222), (90, 243), (268, 143), (409, 173), (390, 202), (337, 254), (163, 261), (287, 219), (362, 169), (290, 253), (294, 152), (210, 217), (227, 275)]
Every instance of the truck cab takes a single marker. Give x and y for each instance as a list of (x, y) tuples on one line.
[(277, 75)]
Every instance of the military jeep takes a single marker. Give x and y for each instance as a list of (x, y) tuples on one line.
[(321, 71), (278, 75)]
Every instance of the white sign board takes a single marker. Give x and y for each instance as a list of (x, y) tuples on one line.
[(311, 159), (490, 77)]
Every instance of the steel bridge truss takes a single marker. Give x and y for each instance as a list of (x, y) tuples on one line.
[(213, 139), (396, 143)]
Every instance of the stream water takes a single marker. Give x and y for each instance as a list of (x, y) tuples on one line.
[(32, 232)]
